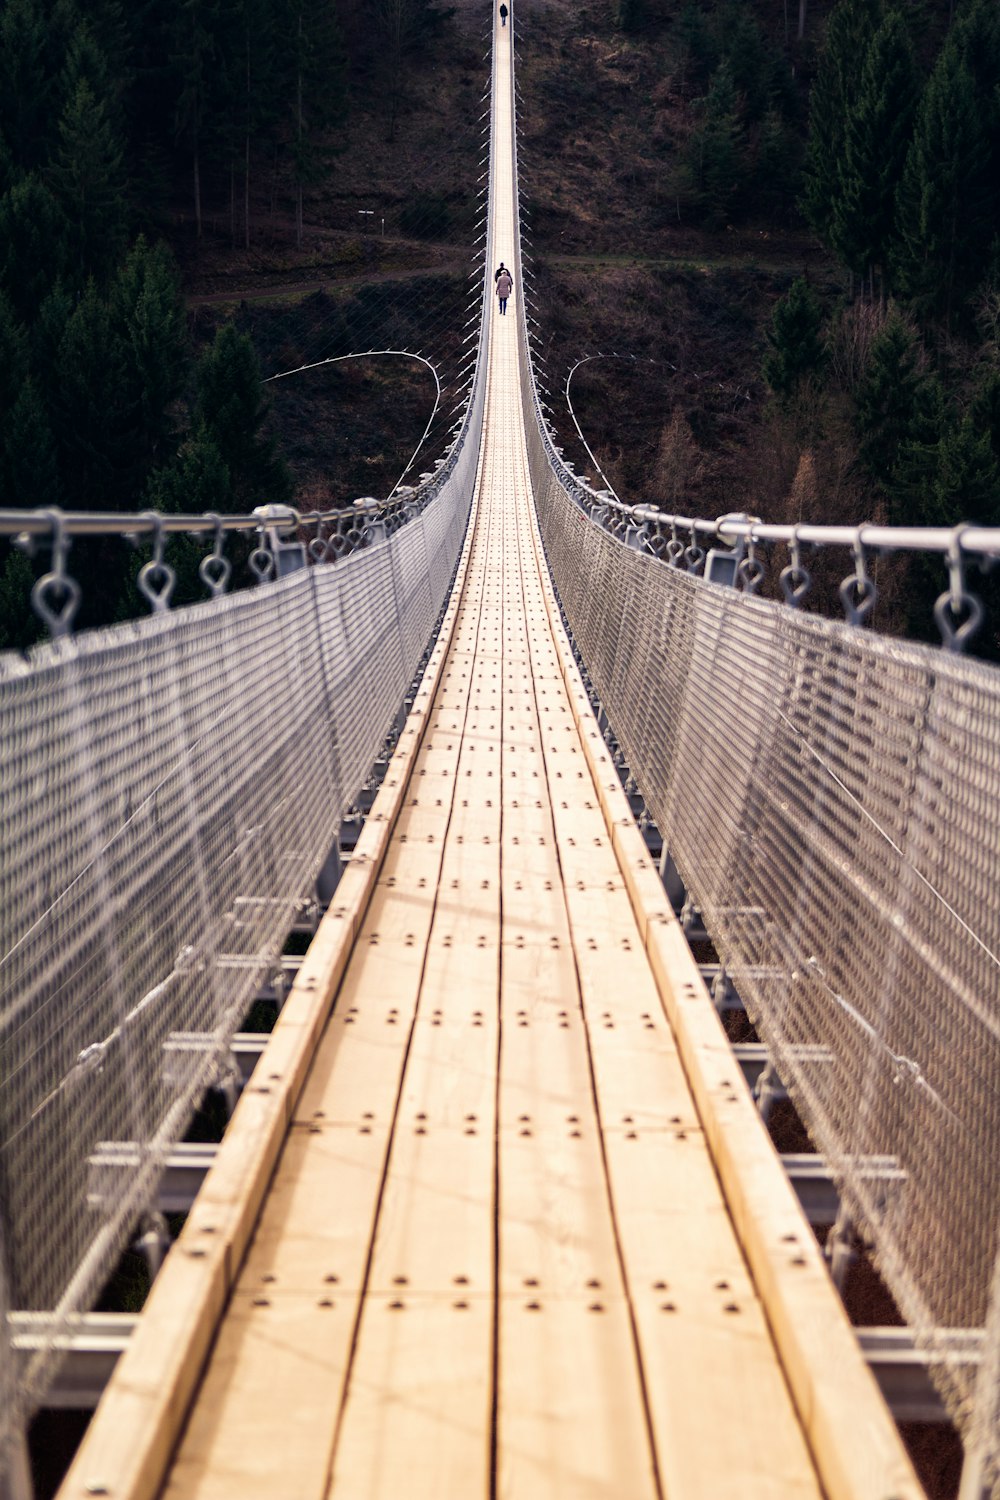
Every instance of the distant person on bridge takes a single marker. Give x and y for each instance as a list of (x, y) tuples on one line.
[(503, 15), (504, 288), (499, 271)]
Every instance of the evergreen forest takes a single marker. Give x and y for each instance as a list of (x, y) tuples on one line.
[(782, 220)]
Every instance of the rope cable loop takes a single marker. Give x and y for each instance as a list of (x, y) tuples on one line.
[(55, 597)]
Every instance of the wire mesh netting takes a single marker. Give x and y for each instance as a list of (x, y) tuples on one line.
[(171, 788), (830, 799), (169, 792)]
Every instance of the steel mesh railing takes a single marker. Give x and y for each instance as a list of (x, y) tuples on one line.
[(169, 790), (831, 799)]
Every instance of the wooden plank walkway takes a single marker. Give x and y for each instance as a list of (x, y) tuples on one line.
[(495, 1257)]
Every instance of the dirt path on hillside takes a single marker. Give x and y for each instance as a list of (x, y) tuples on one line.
[(306, 287)]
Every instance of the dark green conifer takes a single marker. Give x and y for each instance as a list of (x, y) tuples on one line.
[(892, 398), (777, 166), (149, 319), (14, 356), (93, 419), (19, 625), (877, 138), (196, 479), (795, 345), (749, 61), (699, 50), (230, 409), (713, 151), (29, 467), (34, 248), (88, 177), (25, 82), (849, 31), (943, 204), (967, 483)]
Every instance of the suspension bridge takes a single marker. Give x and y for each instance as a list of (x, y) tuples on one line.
[(496, 1213)]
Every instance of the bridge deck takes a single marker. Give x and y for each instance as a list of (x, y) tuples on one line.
[(494, 1257), (496, 1235)]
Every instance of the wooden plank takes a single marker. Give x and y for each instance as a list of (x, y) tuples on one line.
[(570, 1413), (700, 1322), (263, 1425), (315, 1229), (417, 1415)]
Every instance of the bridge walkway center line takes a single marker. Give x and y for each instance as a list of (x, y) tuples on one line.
[(494, 1258)]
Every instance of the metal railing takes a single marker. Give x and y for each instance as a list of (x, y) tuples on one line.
[(831, 799), (170, 791)]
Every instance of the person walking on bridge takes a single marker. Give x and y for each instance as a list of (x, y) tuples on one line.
[(503, 15), (505, 286)]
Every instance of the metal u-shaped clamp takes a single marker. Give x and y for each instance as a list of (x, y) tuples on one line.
[(156, 578), (957, 613), (858, 592), (214, 570), (795, 580), (55, 597)]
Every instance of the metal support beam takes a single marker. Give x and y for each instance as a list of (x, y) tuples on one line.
[(903, 1371), (94, 1341)]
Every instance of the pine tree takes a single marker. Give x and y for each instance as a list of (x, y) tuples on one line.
[(984, 408), (746, 52), (89, 181), (316, 89), (944, 200), (699, 51), (877, 138), (194, 49), (34, 245), (796, 349), (29, 468), (149, 321), (7, 171), (47, 332), (25, 83), (777, 165), (851, 26), (86, 62), (913, 477), (892, 399), (713, 152), (93, 421), (230, 409), (196, 480), (14, 355), (967, 484), (19, 626)]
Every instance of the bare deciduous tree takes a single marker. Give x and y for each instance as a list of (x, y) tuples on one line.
[(679, 464)]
